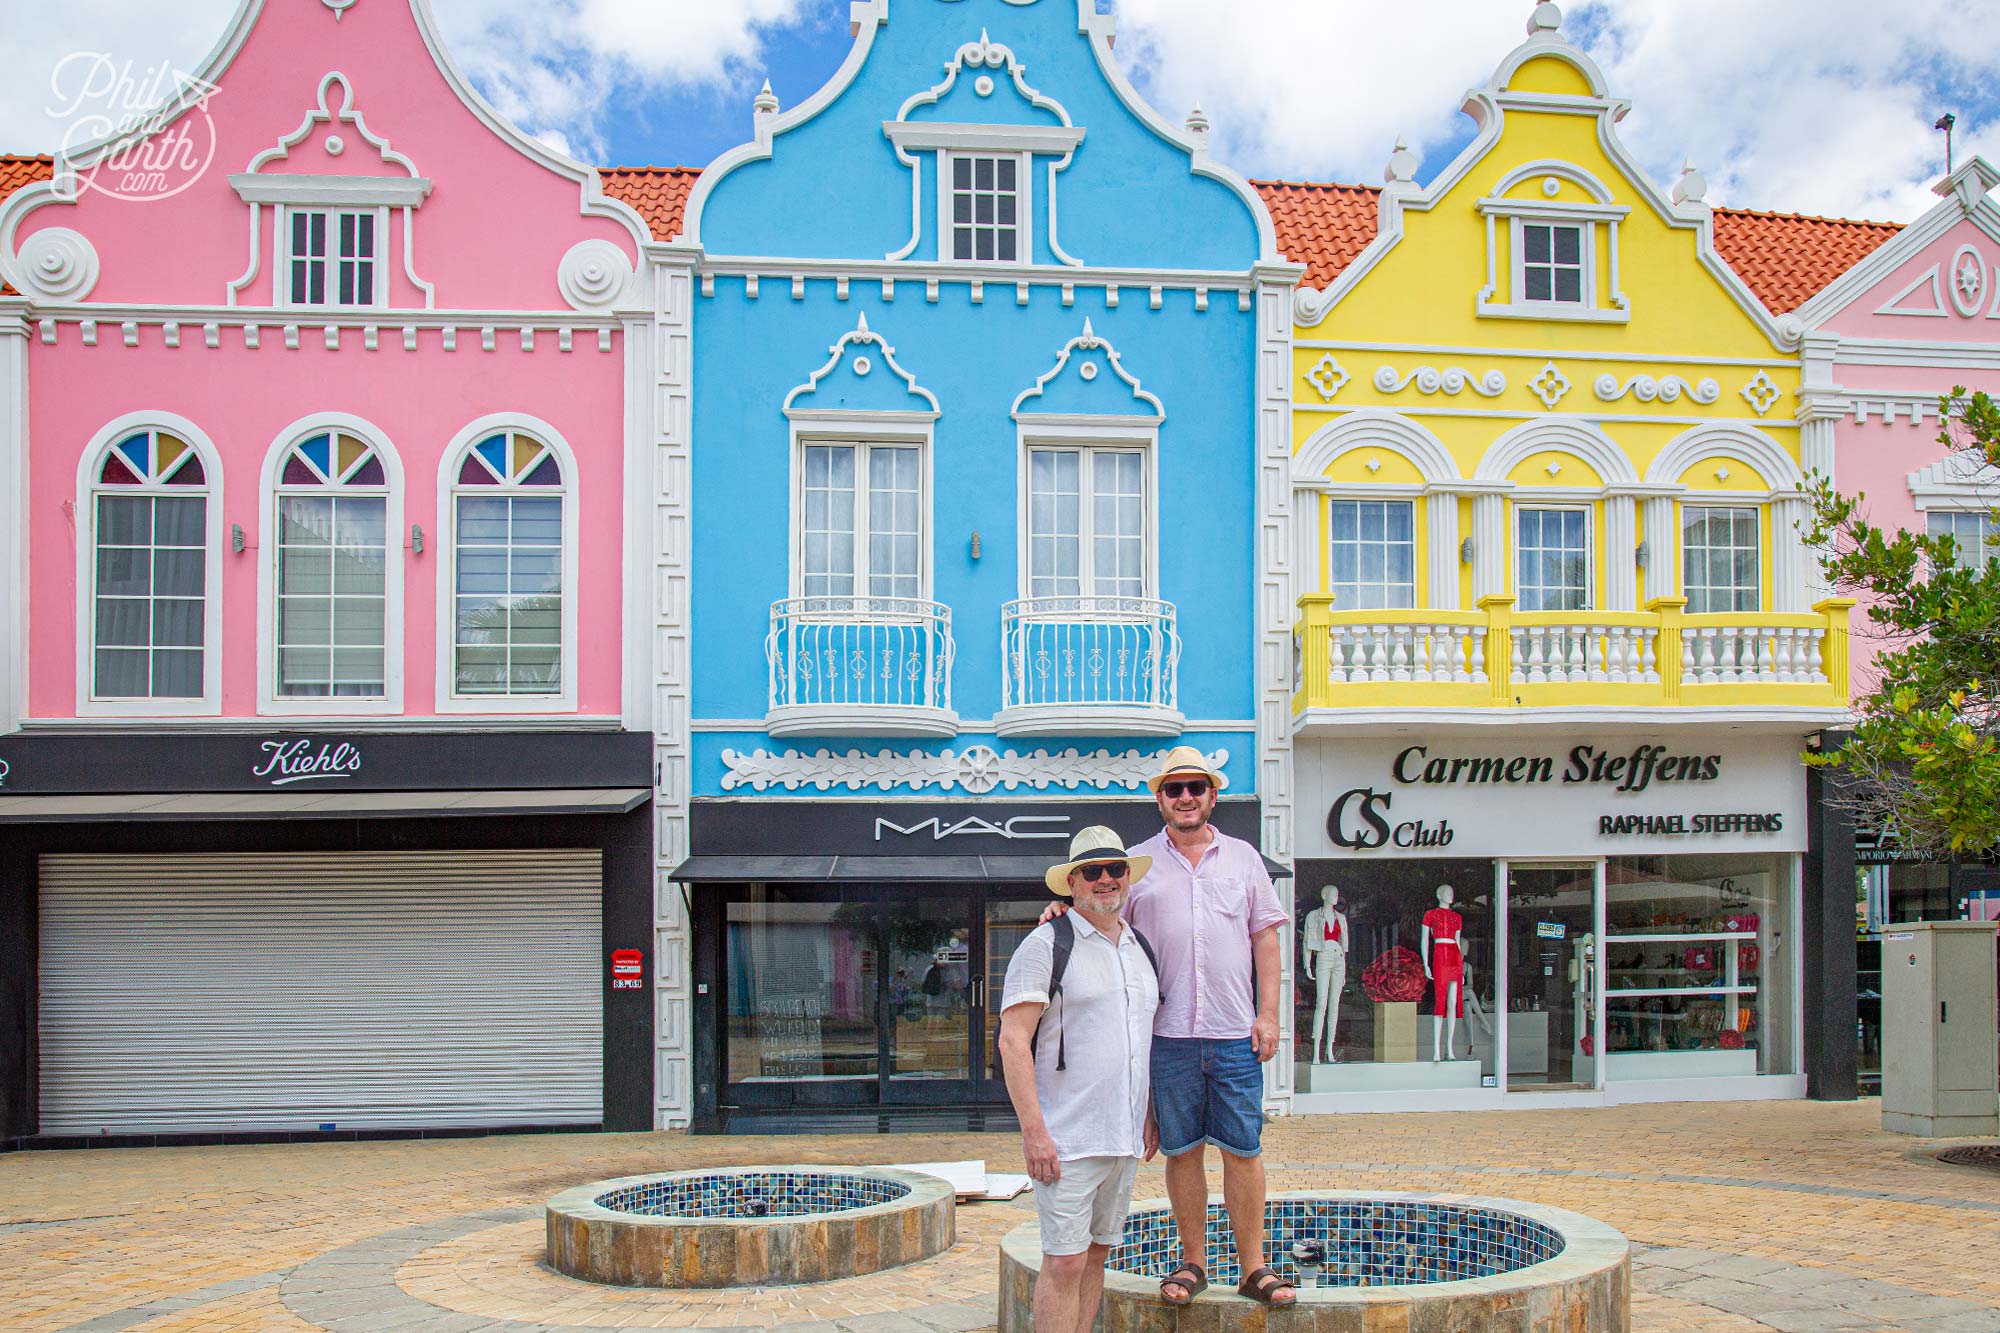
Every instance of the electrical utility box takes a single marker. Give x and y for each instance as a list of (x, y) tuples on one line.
[(1940, 1076)]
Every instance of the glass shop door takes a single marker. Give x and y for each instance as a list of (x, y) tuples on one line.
[(1554, 994)]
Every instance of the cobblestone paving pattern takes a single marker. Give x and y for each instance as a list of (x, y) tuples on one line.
[(1797, 1217)]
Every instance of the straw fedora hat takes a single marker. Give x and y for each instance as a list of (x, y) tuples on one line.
[(1091, 846), (1186, 761)]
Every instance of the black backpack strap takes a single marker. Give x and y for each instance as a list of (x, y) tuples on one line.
[(1065, 944), (1146, 947)]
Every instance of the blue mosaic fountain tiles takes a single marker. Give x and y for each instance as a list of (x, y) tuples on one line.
[(752, 1194), (1368, 1242)]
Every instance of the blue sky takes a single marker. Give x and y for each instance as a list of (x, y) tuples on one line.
[(1818, 106)]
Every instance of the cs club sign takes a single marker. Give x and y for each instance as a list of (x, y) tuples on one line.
[(1360, 821)]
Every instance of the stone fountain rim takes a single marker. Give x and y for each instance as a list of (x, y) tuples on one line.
[(581, 1200), (1590, 1247)]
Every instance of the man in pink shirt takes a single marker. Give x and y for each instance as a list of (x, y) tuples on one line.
[(1210, 910)]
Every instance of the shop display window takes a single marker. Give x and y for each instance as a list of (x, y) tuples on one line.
[(1384, 1025), (801, 999), (1698, 966)]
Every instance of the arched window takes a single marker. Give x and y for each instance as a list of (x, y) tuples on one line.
[(149, 574), (510, 583), (332, 569)]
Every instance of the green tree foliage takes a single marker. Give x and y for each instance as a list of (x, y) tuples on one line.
[(1924, 759)]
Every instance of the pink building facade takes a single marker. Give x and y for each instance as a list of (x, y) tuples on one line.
[(318, 453)]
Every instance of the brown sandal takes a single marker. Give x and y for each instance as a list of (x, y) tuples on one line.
[(1189, 1277), (1263, 1287)]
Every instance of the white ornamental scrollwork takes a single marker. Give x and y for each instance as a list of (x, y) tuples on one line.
[(1328, 376), (1645, 388), (977, 769), (56, 264), (1968, 281), (1452, 380), (1550, 384), (594, 275)]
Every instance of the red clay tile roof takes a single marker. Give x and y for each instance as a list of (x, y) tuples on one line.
[(17, 170), (659, 193), (1321, 226), (1788, 258)]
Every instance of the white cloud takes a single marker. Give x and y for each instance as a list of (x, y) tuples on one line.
[(1805, 105)]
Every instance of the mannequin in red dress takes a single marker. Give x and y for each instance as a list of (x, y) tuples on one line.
[(1444, 964)]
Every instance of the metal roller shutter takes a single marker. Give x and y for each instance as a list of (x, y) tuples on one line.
[(292, 991)]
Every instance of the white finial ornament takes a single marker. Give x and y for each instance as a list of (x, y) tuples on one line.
[(1197, 120), (1692, 186), (1547, 20), (767, 101), (1402, 168)]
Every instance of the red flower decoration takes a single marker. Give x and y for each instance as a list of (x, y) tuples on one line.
[(1729, 1039), (1395, 977)]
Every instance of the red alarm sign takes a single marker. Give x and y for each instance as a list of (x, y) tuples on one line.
[(627, 969)]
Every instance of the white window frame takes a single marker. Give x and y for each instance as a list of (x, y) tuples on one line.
[(1517, 250), (860, 433), (1604, 300), (395, 542), (1590, 552), (281, 285), (209, 704), (1024, 206), (1109, 439), (565, 700), (1983, 515), (1413, 499), (1756, 512)]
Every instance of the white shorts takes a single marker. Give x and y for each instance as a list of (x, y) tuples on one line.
[(1087, 1204)]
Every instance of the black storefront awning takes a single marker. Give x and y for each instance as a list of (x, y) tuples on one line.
[(957, 869)]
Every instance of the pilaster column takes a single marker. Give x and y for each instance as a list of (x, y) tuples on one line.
[(1489, 544), (1794, 566), (1820, 412), (1663, 548), (1621, 542), (14, 514), (1441, 548)]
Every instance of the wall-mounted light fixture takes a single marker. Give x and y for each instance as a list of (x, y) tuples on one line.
[(236, 538), (417, 538), (975, 543), (1640, 555), (1465, 552)]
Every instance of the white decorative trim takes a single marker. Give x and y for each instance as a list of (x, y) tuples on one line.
[(1328, 376), (1956, 481), (927, 136), (1549, 384), (338, 7), (445, 554), (1089, 341), (1927, 281), (977, 769), (1646, 388), (57, 264), (1529, 353), (1450, 380), (1373, 427), (1761, 392), (862, 334), (331, 191), (595, 276), (13, 521), (323, 114), (1719, 440), (982, 54), (1564, 434)]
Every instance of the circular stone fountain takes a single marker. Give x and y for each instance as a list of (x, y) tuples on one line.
[(748, 1226), (1392, 1261)]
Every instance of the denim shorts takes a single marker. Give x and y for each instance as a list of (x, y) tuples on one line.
[(1208, 1092)]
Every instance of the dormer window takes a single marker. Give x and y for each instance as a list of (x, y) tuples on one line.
[(988, 208), (331, 256), (1552, 262)]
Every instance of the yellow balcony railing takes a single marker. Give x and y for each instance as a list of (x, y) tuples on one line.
[(1499, 657)]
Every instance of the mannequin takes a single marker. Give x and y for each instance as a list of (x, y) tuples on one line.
[(1444, 964), (1325, 938)]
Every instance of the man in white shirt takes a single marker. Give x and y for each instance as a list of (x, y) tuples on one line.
[(1081, 1084)]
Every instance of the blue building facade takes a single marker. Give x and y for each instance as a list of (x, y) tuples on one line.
[(988, 362)]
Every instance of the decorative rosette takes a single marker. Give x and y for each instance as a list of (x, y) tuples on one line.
[(1395, 977)]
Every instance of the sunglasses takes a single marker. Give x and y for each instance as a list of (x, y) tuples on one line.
[(1092, 873), (1196, 788)]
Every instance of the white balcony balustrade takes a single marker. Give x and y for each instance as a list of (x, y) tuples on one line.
[(1411, 650), (1715, 652), (1089, 666), (1571, 649), (860, 666)]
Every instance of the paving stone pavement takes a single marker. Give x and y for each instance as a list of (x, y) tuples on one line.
[(1798, 1217)]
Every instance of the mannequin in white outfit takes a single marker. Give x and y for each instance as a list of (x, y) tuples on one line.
[(1325, 938)]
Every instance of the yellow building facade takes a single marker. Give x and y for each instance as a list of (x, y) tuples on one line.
[(1558, 645)]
